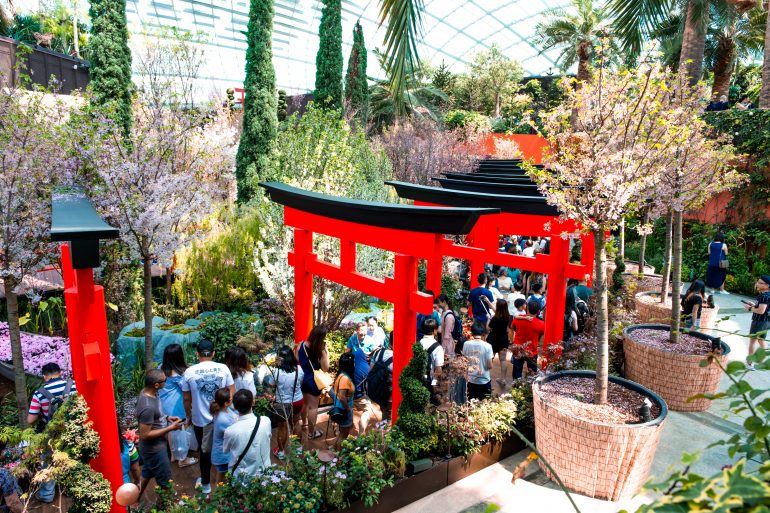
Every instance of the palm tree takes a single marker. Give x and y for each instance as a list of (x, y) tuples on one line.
[(576, 31), (422, 101), (731, 36), (404, 19), (634, 20)]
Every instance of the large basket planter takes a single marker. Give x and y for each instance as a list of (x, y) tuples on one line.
[(676, 377), (606, 461), (650, 310)]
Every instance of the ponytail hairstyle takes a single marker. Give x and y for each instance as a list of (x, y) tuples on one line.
[(221, 398)]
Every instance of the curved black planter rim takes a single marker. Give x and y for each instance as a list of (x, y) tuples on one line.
[(664, 327), (631, 385)]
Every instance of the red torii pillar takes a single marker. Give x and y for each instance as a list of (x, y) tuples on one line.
[(91, 366)]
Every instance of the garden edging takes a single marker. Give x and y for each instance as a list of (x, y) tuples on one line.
[(442, 474), (660, 313)]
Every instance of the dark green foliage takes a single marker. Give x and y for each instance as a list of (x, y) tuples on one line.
[(110, 70), (356, 84), (224, 330), (416, 428), (746, 244), (618, 283), (283, 107), (443, 79), (750, 134), (328, 61), (260, 109), (89, 490), (23, 28)]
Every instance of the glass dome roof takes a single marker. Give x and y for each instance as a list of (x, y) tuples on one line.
[(453, 31)]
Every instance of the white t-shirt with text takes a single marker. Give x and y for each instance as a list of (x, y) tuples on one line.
[(203, 380)]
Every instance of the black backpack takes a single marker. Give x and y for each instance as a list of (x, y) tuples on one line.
[(380, 380), (54, 402), (583, 313)]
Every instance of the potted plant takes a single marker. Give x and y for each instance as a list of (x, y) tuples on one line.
[(696, 167), (602, 165)]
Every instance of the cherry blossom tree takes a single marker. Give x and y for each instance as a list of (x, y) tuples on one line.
[(34, 161), (696, 168), (159, 188), (606, 148)]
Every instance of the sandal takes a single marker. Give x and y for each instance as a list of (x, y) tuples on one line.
[(187, 462), (316, 434)]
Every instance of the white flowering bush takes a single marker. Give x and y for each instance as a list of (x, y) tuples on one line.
[(320, 152)]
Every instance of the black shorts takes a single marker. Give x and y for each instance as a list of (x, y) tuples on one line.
[(310, 388), (759, 329), (479, 392), (157, 465)]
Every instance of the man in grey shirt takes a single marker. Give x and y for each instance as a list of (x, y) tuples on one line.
[(153, 429)]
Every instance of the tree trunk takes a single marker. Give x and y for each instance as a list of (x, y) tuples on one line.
[(584, 62), (602, 318), (623, 239), (497, 105), (676, 279), (147, 265), (764, 93), (14, 333), (666, 260), (643, 244), (693, 43), (169, 274), (723, 67)]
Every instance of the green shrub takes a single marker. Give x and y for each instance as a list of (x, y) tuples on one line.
[(415, 428), (89, 490), (219, 271), (466, 118), (224, 329)]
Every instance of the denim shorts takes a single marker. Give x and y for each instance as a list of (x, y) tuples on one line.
[(222, 468), (157, 465), (759, 329)]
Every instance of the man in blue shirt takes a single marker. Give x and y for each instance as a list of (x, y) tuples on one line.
[(481, 300), (360, 401)]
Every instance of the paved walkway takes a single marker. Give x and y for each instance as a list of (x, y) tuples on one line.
[(492, 488)]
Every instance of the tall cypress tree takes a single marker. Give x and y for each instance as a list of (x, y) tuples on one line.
[(356, 85), (328, 61), (111, 60), (260, 117)]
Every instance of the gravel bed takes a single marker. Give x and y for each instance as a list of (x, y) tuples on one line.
[(574, 395), (659, 340)]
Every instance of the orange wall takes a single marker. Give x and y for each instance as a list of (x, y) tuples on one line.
[(531, 146), (715, 211)]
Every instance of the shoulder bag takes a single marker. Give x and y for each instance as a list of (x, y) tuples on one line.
[(322, 378)]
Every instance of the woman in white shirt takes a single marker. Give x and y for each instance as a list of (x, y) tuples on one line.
[(240, 367), (286, 377)]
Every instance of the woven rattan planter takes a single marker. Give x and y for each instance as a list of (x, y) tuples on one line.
[(676, 377), (607, 461), (650, 310)]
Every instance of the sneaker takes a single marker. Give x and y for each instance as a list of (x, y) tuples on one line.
[(206, 489), (750, 366), (279, 454)]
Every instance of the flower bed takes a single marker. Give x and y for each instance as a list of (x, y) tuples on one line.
[(592, 456), (37, 350), (649, 309), (673, 371)]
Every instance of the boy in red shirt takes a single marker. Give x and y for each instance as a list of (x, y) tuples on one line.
[(528, 337)]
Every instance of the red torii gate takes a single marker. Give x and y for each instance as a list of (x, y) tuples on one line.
[(403, 230)]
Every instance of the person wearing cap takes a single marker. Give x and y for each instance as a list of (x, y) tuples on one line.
[(760, 316), (200, 383)]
